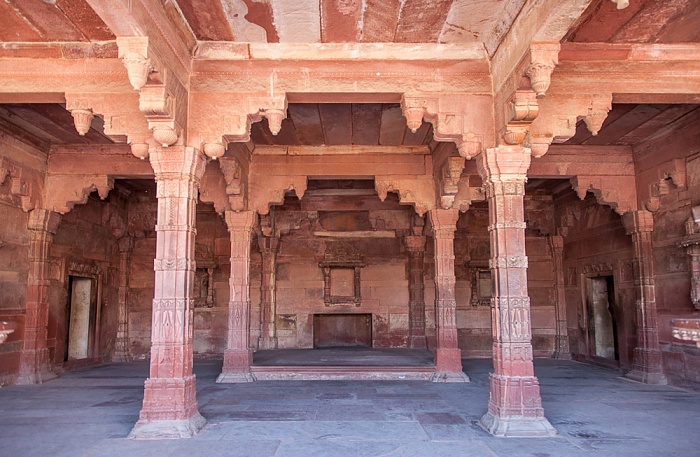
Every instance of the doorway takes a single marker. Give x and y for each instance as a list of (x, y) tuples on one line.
[(342, 330), (81, 318), (600, 293)]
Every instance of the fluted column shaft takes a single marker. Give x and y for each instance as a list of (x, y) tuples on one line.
[(170, 405), (515, 406), (121, 345), (448, 357), (238, 355)]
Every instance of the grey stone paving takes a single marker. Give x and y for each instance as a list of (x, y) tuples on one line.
[(90, 413)]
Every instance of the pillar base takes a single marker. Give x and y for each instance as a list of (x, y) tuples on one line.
[(517, 426), (647, 377), (167, 429), (449, 377), (231, 378), (561, 355), (418, 342), (448, 360), (35, 378), (267, 343)]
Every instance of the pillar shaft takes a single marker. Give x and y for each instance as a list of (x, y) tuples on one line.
[(238, 355), (269, 246), (448, 358), (515, 406), (34, 359), (170, 407), (416, 296), (121, 345), (561, 343), (646, 364)]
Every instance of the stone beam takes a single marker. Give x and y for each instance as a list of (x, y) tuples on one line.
[(58, 75), (272, 175), (567, 160), (305, 70), (630, 70), (160, 21), (114, 160)]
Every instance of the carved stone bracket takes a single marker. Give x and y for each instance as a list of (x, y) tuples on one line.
[(621, 4), (18, 186), (416, 190), (137, 59), (523, 111), (543, 58), (270, 190), (449, 180), (618, 192), (671, 172), (558, 115), (123, 121), (453, 119), (214, 131), (63, 192)]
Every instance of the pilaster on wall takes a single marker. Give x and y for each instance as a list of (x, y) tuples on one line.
[(646, 365), (692, 244), (121, 345), (561, 345), (416, 301), (34, 359), (170, 407), (238, 355), (269, 246), (515, 406), (448, 362)]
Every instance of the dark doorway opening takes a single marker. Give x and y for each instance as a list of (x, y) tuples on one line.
[(600, 292), (342, 330), (81, 317)]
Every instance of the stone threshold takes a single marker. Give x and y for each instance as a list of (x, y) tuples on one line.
[(342, 373)]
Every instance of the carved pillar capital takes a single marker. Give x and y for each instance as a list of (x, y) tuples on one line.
[(415, 244), (504, 170), (43, 220), (639, 221), (240, 221), (126, 244)]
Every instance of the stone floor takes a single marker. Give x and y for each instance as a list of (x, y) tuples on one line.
[(90, 413)]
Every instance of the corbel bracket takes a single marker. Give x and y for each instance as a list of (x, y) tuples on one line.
[(453, 119)]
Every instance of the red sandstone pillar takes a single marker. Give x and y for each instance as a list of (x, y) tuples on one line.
[(121, 345), (416, 297), (238, 355), (448, 357), (646, 364), (170, 407), (561, 343), (269, 246), (515, 406), (34, 359)]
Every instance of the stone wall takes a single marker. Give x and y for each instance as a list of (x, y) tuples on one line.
[(21, 184), (668, 182)]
